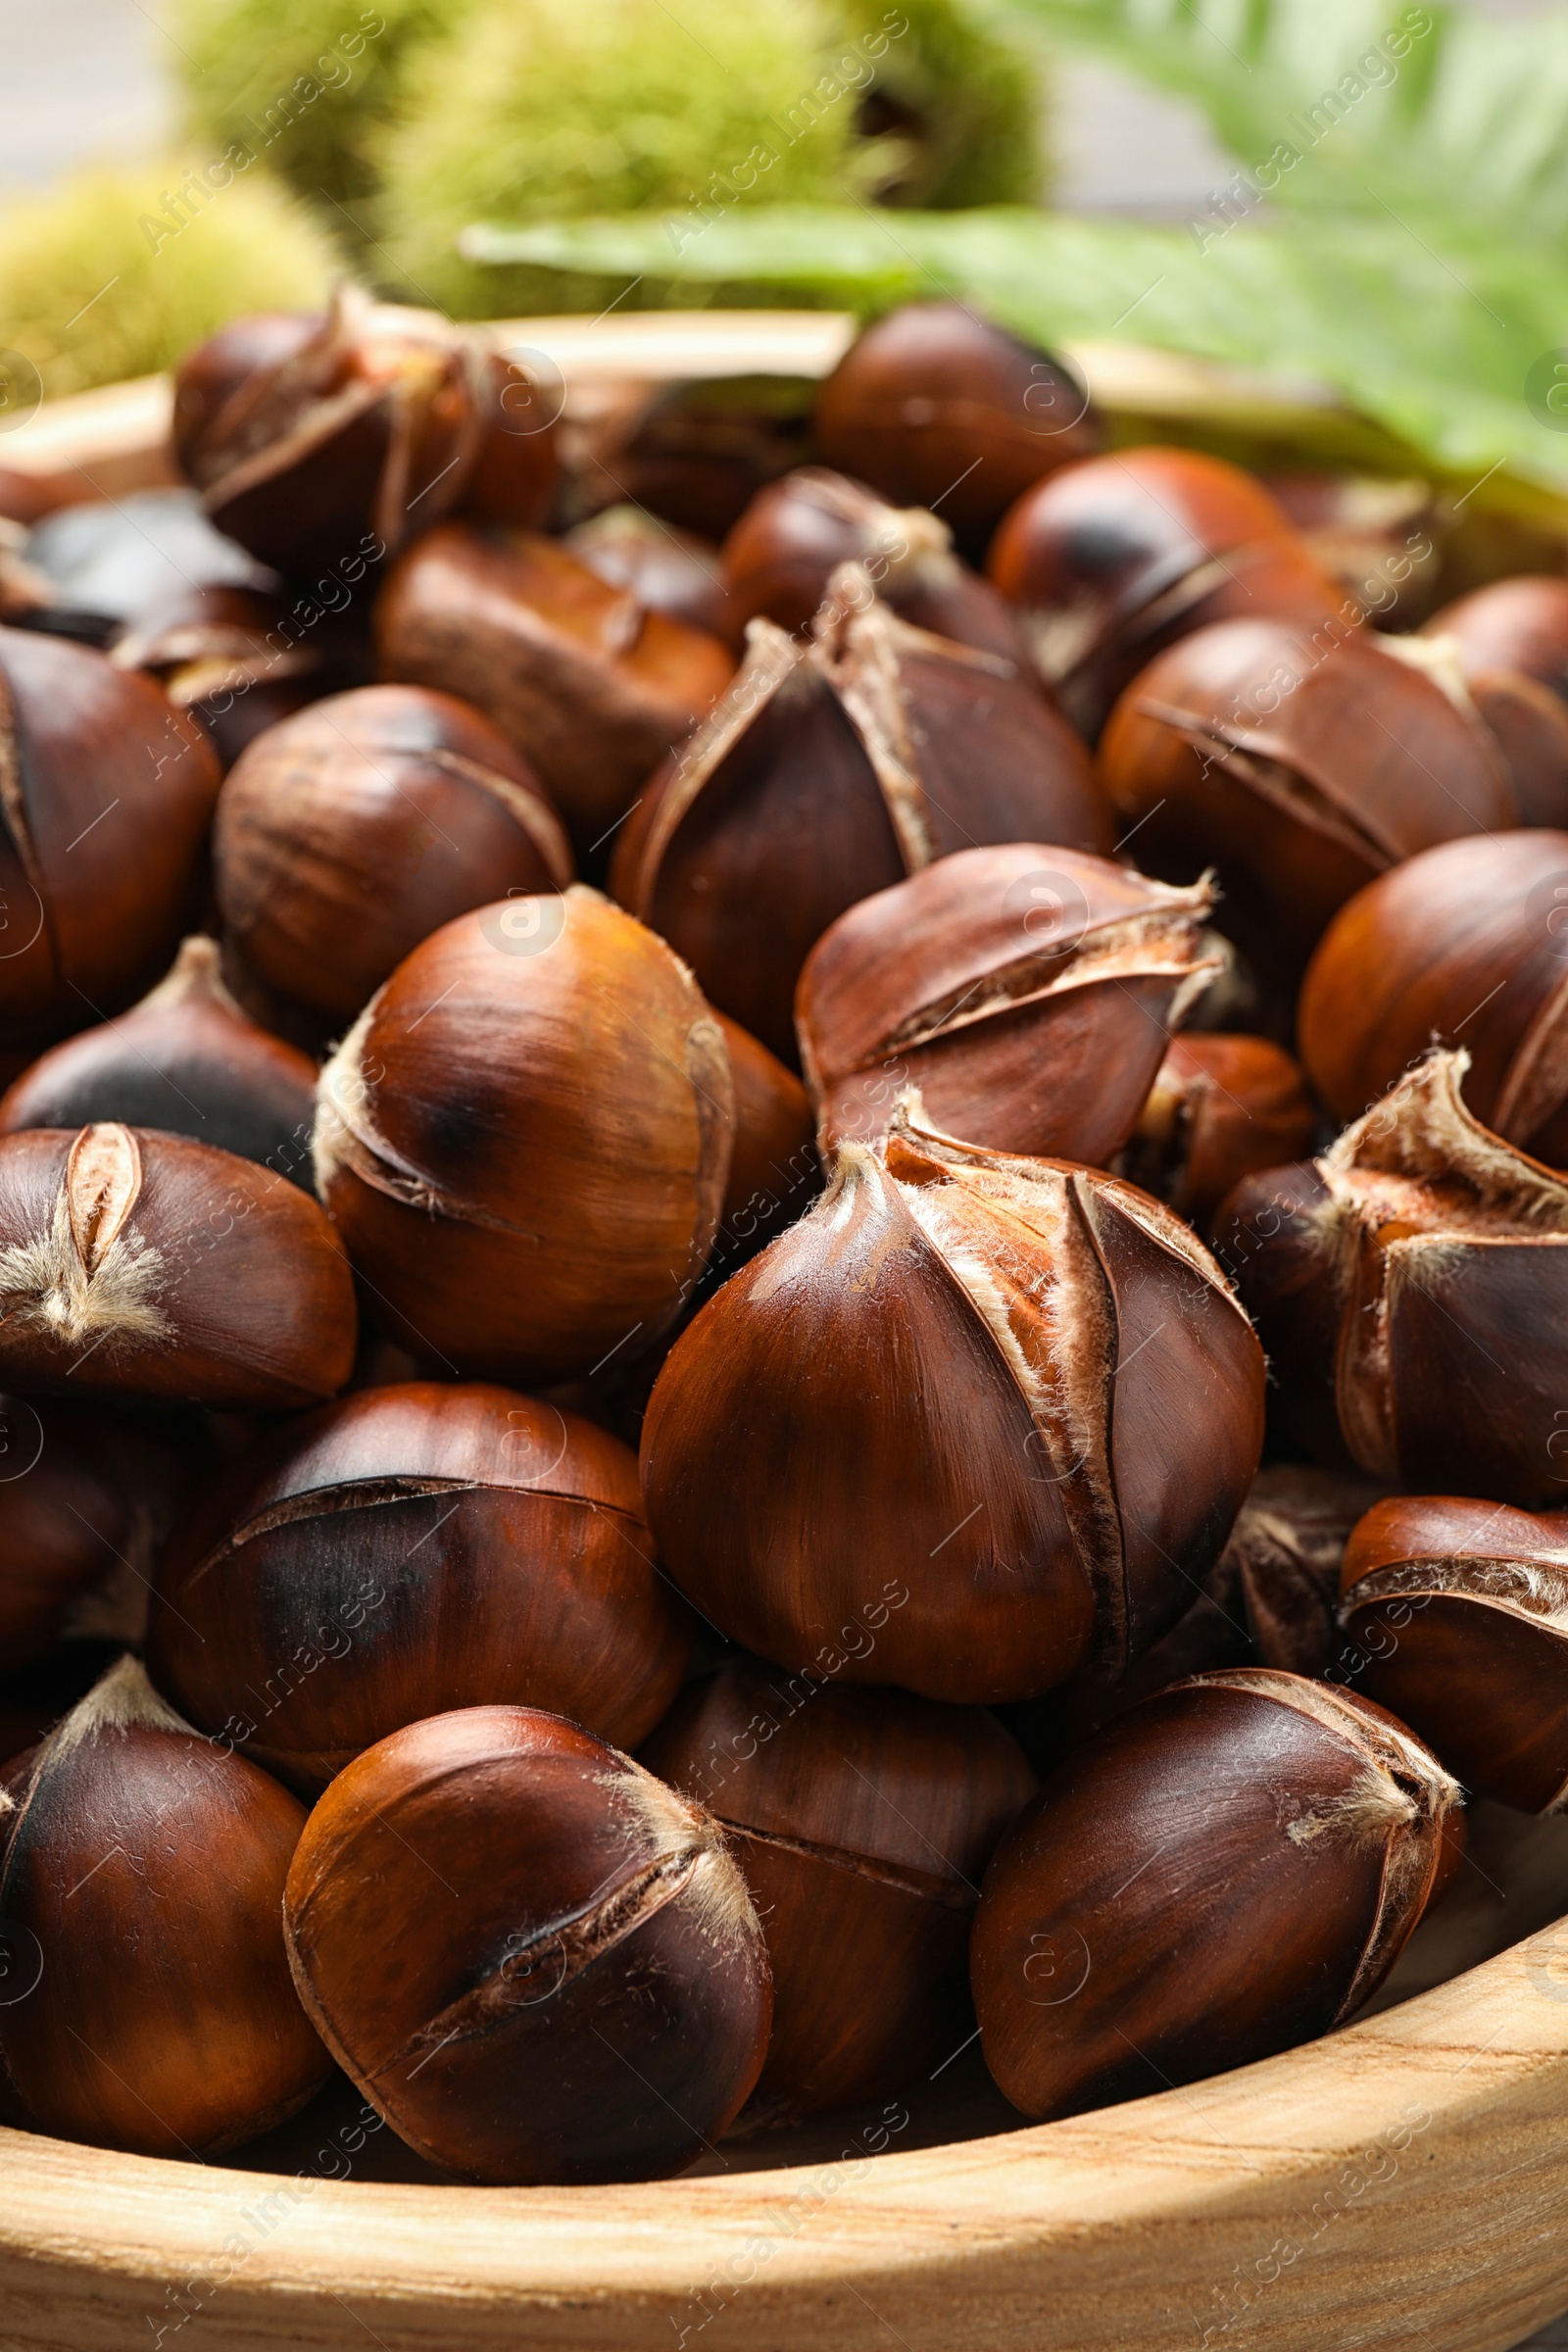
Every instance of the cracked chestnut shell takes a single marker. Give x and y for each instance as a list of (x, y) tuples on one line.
[(1231, 1868), (1283, 1557), (912, 1389), (309, 437), (863, 1821), (1455, 1613), (186, 1059), (667, 571), (932, 392), (143, 1878), (582, 680), (1467, 944), (346, 835), (1299, 766), (410, 1550), (780, 559), (832, 769), (1411, 1289), (1113, 559), (136, 1264), (106, 794), (1221, 1106), (587, 1997), (525, 1138), (1027, 992), (230, 658), (88, 1500)]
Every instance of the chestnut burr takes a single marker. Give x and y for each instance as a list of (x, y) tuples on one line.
[(589, 1996)]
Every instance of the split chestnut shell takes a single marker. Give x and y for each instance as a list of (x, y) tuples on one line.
[(910, 1391)]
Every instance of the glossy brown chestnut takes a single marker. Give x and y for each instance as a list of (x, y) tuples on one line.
[(1455, 1613), (308, 440), (524, 1140), (905, 1403), (143, 1882), (1027, 992), (1110, 560), (348, 834), (666, 570), (774, 1170), (931, 393), (1221, 1108), (88, 1499), (407, 1551), (137, 1265), (1466, 944), (1299, 766), (592, 689), (186, 1059), (1531, 726), (832, 769), (516, 472), (780, 559), (588, 2000), (1411, 1289), (863, 1821), (228, 656), (107, 799), (693, 454), (1283, 1560), (1231, 1868), (1513, 624)]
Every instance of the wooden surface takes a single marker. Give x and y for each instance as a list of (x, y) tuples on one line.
[(1403, 2182)]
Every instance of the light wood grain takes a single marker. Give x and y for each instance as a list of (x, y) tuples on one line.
[(1403, 2181)]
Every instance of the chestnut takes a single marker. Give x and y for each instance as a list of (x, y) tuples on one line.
[(1299, 766), (1220, 1107), (1531, 726), (1466, 944), (774, 1170), (88, 1502), (1411, 1288), (1513, 624), (1230, 1869), (1282, 1561), (781, 557), (693, 454), (934, 406), (863, 1821), (904, 1404), (588, 686), (587, 1997), (349, 833), (514, 475), (666, 570), (410, 1550), (185, 1060), (136, 1264), (830, 770), (1455, 1613), (1027, 992), (311, 439), (525, 1138), (143, 1882), (109, 793), (226, 654), (1115, 557)]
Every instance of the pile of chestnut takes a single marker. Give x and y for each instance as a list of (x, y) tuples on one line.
[(761, 1301)]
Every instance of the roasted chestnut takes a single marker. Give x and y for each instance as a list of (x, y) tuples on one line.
[(227, 656), (592, 689), (1220, 1107), (1299, 766), (143, 1887), (904, 1405), (410, 1550), (185, 1060), (863, 1821), (88, 1499), (515, 471), (1466, 944), (1457, 1613), (1513, 624), (137, 1265), (311, 439), (108, 797), (781, 557), (524, 1140), (832, 769), (588, 1995), (666, 570), (1111, 559), (1411, 1288), (934, 407), (348, 834), (1230, 1867), (1027, 992), (1284, 1556)]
